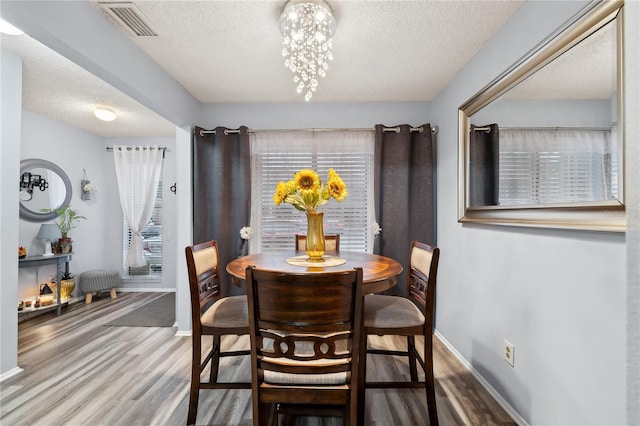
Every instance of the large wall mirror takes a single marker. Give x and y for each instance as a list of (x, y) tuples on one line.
[(542, 144), (43, 186)]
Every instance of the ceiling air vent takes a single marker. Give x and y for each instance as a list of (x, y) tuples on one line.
[(130, 16)]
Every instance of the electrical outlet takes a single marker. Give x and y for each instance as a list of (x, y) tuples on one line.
[(509, 352)]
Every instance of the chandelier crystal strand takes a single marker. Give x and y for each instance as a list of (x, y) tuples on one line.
[(307, 27)]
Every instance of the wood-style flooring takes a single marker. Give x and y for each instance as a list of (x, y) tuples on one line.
[(77, 371)]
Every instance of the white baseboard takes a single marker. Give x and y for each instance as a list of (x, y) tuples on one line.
[(10, 373), (184, 333), (145, 290), (494, 393)]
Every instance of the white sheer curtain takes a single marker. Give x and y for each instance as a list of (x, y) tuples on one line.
[(138, 172)]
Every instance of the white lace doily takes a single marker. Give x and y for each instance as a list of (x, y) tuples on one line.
[(304, 261)]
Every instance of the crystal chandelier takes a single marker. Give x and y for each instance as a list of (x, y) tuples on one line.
[(307, 27)]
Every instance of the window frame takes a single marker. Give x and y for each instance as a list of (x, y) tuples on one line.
[(355, 147)]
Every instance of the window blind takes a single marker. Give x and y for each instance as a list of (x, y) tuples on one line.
[(556, 166), (277, 156), (151, 239)]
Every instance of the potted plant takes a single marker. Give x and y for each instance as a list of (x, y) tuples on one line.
[(67, 284), (66, 221)]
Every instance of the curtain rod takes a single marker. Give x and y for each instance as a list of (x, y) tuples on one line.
[(129, 148), (434, 129), (488, 129)]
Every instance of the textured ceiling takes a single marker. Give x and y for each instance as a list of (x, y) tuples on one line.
[(587, 71), (229, 51), (57, 88)]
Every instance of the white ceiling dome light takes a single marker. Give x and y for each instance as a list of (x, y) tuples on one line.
[(105, 114)]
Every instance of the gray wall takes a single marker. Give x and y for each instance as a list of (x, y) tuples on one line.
[(96, 241), (558, 296), (72, 150), (10, 112), (562, 298), (315, 115), (522, 113), (632, 199)]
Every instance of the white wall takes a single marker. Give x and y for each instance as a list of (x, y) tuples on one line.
[(10, 110), (558, 296)]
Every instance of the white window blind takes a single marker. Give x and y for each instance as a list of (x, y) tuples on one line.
[(276, 156), (556, 166), (152, 240)]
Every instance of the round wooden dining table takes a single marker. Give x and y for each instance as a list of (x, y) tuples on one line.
[(379, 273)]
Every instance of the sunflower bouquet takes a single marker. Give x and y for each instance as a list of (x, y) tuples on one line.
[(306, 192)]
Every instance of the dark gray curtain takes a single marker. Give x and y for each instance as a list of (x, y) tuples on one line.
[(404, 193), (484, 152), (222, 194)]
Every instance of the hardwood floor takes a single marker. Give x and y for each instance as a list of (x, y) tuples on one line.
[(77, 371)]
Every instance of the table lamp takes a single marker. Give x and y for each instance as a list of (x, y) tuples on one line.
[(48, 232)]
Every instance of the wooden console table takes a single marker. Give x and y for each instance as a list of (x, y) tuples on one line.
[(60, 259)]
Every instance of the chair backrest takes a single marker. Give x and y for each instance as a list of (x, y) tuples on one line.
[(204, 278), (421, 277), (331, 242), (304, 324)]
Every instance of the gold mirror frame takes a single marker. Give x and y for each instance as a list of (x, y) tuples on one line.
[(595, 216)]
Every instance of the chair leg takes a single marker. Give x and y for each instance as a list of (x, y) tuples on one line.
[(349, 414), (362, 377), (430, 382), (411, 348), (265, 414), (431, 397), (194, 393), (272, 414), (215, 360)]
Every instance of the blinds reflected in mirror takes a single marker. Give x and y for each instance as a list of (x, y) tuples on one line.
[(549, 166)]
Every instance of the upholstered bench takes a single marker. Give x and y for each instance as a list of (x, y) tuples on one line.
[(99, 280)]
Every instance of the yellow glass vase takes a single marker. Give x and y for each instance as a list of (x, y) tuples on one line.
[(315, 237)]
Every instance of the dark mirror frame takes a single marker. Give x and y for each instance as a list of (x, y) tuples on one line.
[(37, 216), (595, 216)]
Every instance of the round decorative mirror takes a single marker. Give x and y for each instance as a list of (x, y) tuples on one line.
[(43, 185)]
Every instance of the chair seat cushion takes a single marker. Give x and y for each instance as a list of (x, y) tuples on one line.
[(228, 312), (382, 311), (329, 379)]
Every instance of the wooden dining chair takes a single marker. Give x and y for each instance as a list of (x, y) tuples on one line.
[(331, 242), (211, 315), (305, 342), (411, 316)]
